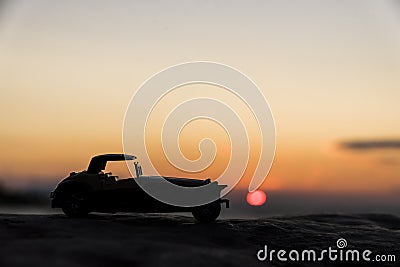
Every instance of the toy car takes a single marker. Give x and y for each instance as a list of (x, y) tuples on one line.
[(94, 190)]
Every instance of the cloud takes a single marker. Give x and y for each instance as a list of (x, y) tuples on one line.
[(390, 161), (363, 145)]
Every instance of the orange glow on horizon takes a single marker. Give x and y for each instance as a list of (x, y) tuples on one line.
[(66, 85)]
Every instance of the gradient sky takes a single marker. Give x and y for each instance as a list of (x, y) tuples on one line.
[(329, 69)]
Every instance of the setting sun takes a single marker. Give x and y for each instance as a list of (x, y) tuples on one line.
[(256, 198)]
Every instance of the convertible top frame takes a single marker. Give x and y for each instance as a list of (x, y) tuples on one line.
[(98, 163)]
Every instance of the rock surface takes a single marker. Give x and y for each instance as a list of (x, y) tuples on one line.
[(175, 240)]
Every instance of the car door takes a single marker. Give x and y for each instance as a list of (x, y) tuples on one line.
[(124, 194)]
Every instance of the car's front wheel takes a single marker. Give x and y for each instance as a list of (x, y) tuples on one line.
[(74, 203), (207, 213)]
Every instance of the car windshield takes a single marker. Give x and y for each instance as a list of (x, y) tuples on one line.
[(118, 169)]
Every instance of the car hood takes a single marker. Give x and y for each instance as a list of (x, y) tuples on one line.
[(188, 182)]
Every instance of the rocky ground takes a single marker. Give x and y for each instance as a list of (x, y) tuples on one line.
[(176, 240)]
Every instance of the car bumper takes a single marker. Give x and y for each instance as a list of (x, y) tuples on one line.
[(225, 201), (54, 201)]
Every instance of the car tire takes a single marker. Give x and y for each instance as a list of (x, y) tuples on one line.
[(74, 203), (207, 213)]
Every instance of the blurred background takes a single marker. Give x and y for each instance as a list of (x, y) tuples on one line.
[(330, 71)]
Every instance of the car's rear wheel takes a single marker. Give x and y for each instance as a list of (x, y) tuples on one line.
[(74, 203), (207, 213)]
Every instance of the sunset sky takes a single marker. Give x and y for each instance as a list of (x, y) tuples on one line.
[(330, 71)]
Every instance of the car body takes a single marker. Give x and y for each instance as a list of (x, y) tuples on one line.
[(93, 190)]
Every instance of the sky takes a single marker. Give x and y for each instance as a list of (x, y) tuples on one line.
[(329, 70)]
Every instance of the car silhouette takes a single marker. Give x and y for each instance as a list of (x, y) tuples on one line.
[(93, 190)]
